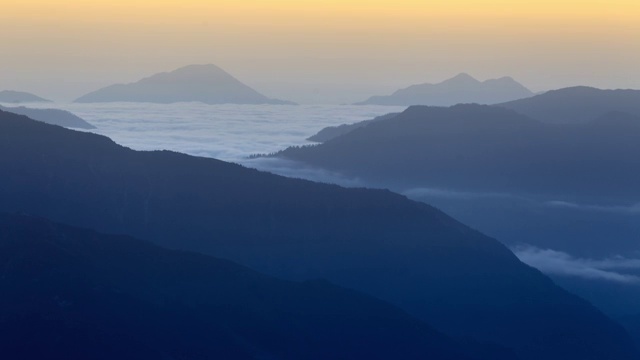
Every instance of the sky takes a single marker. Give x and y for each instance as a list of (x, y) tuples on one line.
[(319, 51)]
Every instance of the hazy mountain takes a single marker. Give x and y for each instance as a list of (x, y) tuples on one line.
[(460, 89), (16, 97), (331, 132), (69, 293), (576, 104), (570, 188), (378, 242), (489, 149), (608, 226), (51, 116), (203, 83)]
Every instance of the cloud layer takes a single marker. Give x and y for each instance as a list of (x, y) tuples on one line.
[(426, 194), (615, 269), (620, 209), (225, 132)]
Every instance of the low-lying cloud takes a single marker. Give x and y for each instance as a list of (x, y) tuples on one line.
[(424, 192), (555, 262), (226, 132), (618, 209), (294, 169)]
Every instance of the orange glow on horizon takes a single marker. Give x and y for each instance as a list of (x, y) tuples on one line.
[(315, 12), (576, 39)]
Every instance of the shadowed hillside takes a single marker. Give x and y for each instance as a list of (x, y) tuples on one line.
[(404, 252), (579, 104), (71, 293), (331, 132), (489, 149)]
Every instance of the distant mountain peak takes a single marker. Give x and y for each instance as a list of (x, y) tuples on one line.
[(207, 75), (462, 88), (464, 75), (504, 79), (205, 83), (461, 79), (16, 97), (198, 69)]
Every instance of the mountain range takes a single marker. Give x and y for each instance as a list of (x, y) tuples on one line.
[(566, 187), (479, 148), (462, 88), (208, 84), (576, 104), (410, 254)]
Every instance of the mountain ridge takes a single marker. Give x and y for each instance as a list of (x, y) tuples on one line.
[(17, 97), (452, 144), (462, 88), (578, 104), (331, 132), (51, 116), (377, 242)]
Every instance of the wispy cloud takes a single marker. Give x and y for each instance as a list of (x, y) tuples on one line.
[(620, 209), (300, 170), (560, 263), (424, 192)]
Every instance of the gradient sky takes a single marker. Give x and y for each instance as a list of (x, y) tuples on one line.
[(319, 51)]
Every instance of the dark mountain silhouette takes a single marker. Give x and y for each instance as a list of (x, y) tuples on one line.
[(16, 97), (69, 293), (576, 104), (567, 187), (51, 116), (489, 149), (331, 132), (408, 253), (632, 324), (202, 83), (460, 89)]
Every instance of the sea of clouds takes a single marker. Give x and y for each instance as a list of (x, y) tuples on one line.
[(226, 132)]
